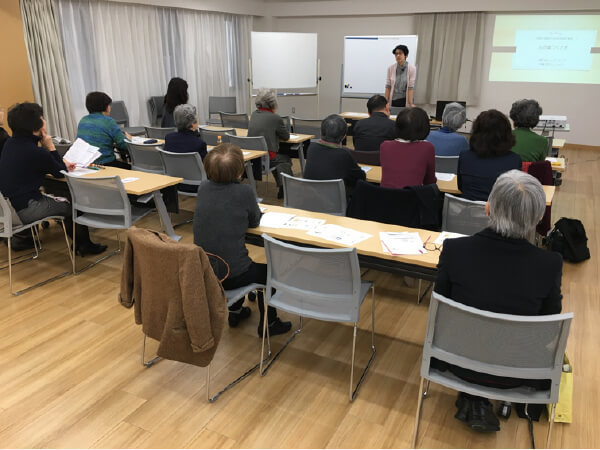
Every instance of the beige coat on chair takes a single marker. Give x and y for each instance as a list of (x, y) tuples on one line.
[(177, 297)]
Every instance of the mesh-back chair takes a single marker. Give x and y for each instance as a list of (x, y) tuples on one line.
[(159, 132), (370, 158), (446, 164), (523, 347), (218, 104), (211, 137), (463, 216), (118, 111), (155, 109), (288, 123), (101, 203), (234, 120), (62, 149), (11, 224), (322, 284), (145, 158), (307, 126), (184, 165), (395, 110), (255, 143), (324, 196)]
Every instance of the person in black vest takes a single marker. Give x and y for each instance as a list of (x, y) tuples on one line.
[(369, 133)]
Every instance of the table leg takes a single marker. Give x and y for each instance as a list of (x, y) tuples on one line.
[(164, 216)]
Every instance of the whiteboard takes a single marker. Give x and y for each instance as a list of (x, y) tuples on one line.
[(366, 59), (284, 60)]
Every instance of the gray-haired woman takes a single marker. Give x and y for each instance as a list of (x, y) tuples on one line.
[(266, 122), (445, 140), (525, 115), (500, 270)]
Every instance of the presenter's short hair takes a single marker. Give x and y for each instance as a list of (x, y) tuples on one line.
[(491, 134), (376, 103), (403, 48), (184, 116), (266, 98), (454, 116), (517, 203), (333, 128), (97, 102), (412, 124), (224, 163), (25, 118), (525, 113)]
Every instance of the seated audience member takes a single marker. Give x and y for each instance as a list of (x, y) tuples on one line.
[(23, 167), (266, 122), (445, 140), (490, 155), (224, 211), (101, 130), (369, 133), (500, 270), (408, 160), (186, 139), (530, 146), (3, 134), (328, 160), (177, 94)]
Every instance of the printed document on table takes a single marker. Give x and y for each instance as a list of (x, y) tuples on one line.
[(275, 219), (138, 140), (447, 235), (402, 243), (294, 136), (341, 235), (128, 179), (81, 171), (445, 176), (245, 153), (82, 154), (303, 223), (365, 168)]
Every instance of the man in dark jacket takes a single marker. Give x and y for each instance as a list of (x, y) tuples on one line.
[(369, 133)]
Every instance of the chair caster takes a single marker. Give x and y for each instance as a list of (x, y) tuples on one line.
[(504, 410), (252, 296)]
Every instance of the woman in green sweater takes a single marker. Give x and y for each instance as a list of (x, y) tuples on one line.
[(525, 115)]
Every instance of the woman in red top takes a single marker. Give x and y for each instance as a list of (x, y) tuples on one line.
[(409, 160)]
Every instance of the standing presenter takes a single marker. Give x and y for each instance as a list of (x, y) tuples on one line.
[(400, 79)]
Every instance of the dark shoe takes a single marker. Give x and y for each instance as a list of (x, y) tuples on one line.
[(276, 327), (280, 193), (89, 248), (481, 416), (235, 317), (462, 403), (251, 296), (18, 244)]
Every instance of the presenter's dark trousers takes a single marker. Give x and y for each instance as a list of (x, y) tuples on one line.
[(399, 102)]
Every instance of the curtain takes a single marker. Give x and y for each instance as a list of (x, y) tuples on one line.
[(132, 51), (48, 70), (450, 57)]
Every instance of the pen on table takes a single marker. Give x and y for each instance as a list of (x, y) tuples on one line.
[(92, 167), (427, 240)]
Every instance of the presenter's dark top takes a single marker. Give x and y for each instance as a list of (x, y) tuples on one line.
[(23, 167), (477, 175), (186, 141), (329, 162), (369, 133), (224, 211)]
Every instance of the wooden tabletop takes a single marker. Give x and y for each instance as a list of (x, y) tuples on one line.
[(451, 187), (145, 183), (295, 138), (369, 247), (248, 154), (558, 164)]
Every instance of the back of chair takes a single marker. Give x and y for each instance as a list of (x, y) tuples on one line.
[(62, 149), (159, 132), (118, 111), (324, 196), (221, 104), (463, 216), (307, 126), (103, 198), (528, 347), (370, 158), (211, 137), (288, 123), (184, 165), (234, 120), (145, 158), (318, 283), (155, 109), (446, 164), (6, 222), (248, 143)]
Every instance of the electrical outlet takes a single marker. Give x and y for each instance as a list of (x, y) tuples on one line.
[(293, 109)]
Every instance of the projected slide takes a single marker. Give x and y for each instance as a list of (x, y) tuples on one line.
[(546, 48)]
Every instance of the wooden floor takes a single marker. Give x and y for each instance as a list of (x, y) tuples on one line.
[(70, 372)]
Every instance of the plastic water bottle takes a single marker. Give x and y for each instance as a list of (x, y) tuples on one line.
[(219, 140)]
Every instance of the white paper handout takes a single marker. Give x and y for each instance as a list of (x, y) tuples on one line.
[(245, 153), (138, 140), (294, 136), (82, 154), (445, 176), (447, 235), (81, 171), (303, 223), (275, 219), (262, 209), (128, 179), (402, 243), (365, 168), (336, 233)]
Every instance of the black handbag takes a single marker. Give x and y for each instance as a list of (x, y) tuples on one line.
[(569, 239)]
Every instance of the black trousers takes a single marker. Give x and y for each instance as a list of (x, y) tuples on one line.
[(256, 273), (400, 102)]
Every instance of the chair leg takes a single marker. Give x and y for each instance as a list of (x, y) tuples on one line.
[(92, 264), (418, 414), (290, 339), (153, 360), (354, 390), (9, 265), (549, 437)]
